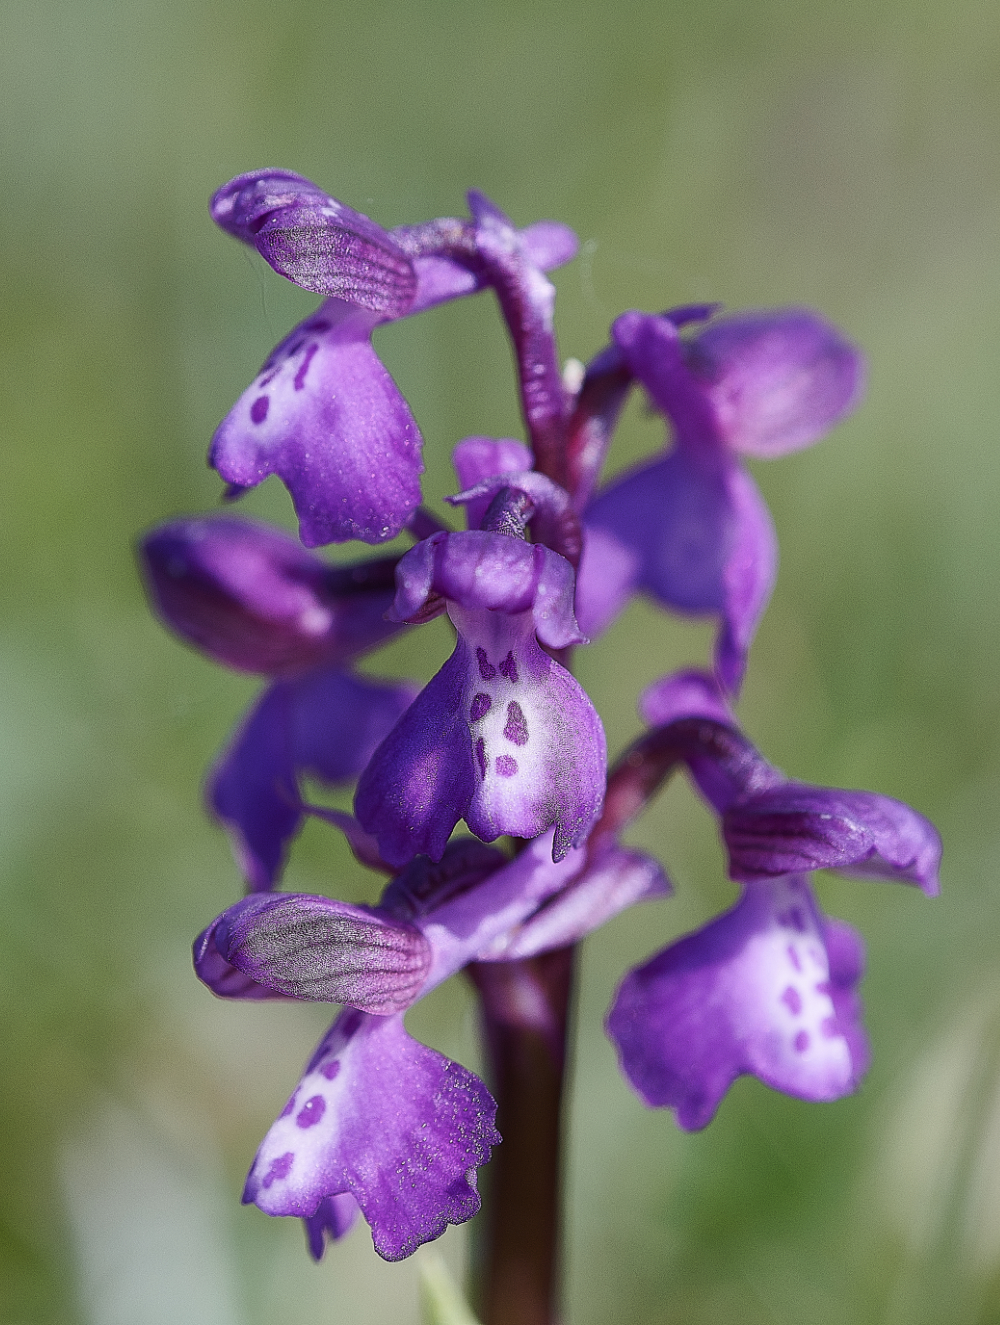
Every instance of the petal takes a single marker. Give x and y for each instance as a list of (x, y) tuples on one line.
[(223, 978), (461, 927), (795, 827), (253, 791), (777, 380), (690, 694), (339, 719), (335, 1216), (748, 577), (655, 353), (317, 949), (425, 885), (549, 244), (496, 572), (685, 314), (696, 537), (418, 782), (397, 1125), (607, 577), (616, 880), (327, 724), (315, 241), (674, 518), (478, 458), (755, 991), (252, 598), (325, 416), (440, 279)]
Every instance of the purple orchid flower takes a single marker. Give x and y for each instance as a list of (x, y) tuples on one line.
[(323, 413), (380, 1122), (251, 598), (691, 529), (768, 988), (503, 736)]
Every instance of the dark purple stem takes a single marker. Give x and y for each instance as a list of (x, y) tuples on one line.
[(525, 297), (525, 1008), (543, 399)]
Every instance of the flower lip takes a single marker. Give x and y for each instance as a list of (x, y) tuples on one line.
[(767, 988), (326, 417), (317, 242), (376, 1114)]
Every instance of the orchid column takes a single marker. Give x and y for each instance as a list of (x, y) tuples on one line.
[(503, 738)]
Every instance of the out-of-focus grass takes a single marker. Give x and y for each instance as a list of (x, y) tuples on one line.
[(844, 158)]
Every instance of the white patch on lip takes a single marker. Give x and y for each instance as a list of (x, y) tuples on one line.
[(785, 1009)]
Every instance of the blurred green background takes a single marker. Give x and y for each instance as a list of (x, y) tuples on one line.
[(844, 156)]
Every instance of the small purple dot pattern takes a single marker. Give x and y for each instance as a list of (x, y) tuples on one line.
[(481, 705), (311, 1112), (486, 669), (516, 729), (508, 667)]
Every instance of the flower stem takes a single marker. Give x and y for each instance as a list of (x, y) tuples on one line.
[(525, 1009)]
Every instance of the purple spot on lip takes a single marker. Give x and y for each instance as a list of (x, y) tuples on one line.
[(793, 919), (486, 669), (792, 1000), (300, 376), (829, 1028), (801, 1042), (481, 705), (481, 757), (280, 1168), (516, 729), (311, 1112), (793, 957), (331, 1070), (509, 667), (289, 1107), (506, 766), (259, 408)]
